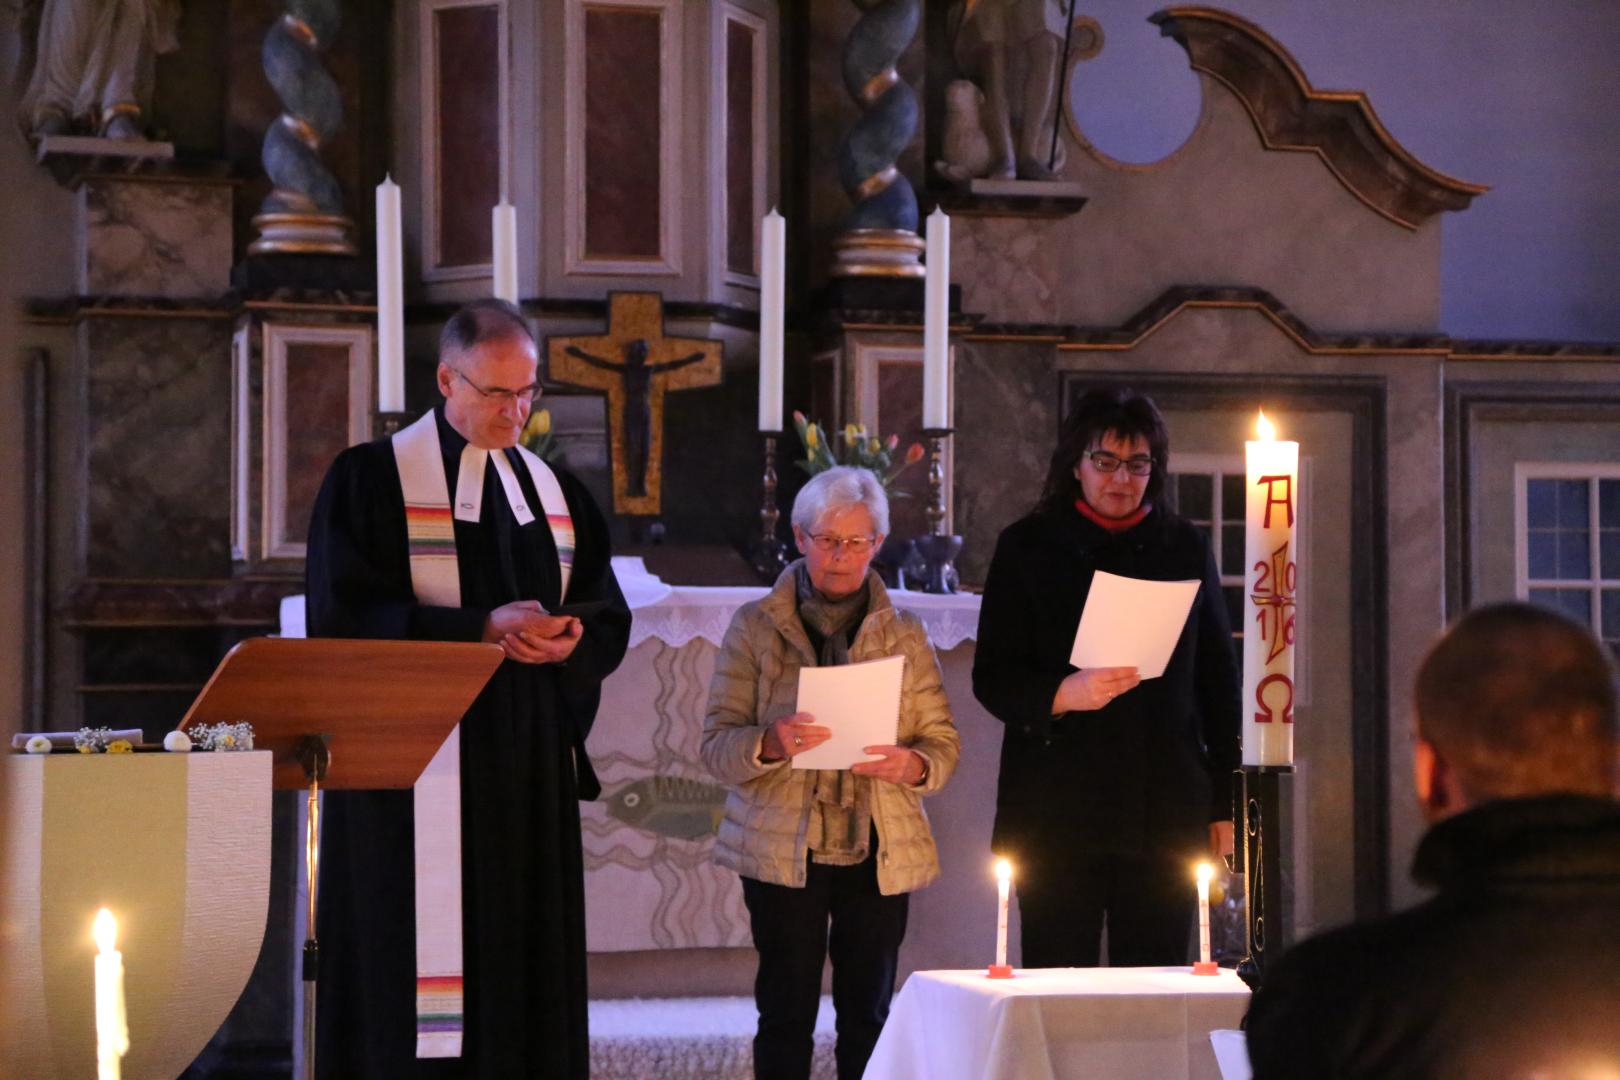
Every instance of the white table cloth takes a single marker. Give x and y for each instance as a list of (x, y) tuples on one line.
[(1058, 1024)]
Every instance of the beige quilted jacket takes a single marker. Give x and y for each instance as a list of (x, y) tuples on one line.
[(756, 677)]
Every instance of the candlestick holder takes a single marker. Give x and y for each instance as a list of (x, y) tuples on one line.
[(770, 553), (999, 971), (385, 425), (1260, 815), (938, 550), (1206, 967)]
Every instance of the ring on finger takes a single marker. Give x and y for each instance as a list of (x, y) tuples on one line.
[(798, 741)]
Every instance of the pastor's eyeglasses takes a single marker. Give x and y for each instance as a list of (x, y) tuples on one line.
[(525, 395)]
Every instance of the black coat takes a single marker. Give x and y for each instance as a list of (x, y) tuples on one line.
[(1512, 970), (1149, 771), (523, 770)]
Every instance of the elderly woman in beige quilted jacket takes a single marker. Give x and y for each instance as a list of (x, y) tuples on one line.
[(826, 857)]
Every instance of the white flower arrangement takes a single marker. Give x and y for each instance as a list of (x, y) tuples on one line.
[(89, 740), (39, 744), (222, 737), (177, 742)]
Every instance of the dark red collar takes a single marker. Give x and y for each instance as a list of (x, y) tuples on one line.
[(1113, 525)]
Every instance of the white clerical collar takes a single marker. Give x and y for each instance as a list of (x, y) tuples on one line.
[(470, 485)]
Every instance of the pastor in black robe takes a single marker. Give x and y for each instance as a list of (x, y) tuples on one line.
[(523, 770)]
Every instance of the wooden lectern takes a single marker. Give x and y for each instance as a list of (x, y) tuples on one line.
[(346, 713)]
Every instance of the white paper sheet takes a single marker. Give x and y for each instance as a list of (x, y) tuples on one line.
[(1129, 622), (859, 702)]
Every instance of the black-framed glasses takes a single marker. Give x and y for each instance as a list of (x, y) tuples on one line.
[(527, 394), (855, 545), (1104, 462)]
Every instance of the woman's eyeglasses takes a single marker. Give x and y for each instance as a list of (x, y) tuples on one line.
[(1104, 462), (856, 545)]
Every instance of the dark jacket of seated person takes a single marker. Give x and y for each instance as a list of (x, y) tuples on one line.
[(1512, 968)]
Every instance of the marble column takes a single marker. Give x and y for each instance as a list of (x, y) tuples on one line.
[(303, 213), (879, 238)]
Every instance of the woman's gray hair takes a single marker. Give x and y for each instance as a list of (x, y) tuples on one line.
[(836, 488)]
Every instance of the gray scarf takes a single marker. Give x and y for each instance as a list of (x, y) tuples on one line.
[(841, 820)]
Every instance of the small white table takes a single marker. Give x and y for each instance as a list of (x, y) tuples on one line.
[(1058, 1024)]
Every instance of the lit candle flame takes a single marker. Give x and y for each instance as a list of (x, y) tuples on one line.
[(1265, 429), (1205, 872), (105, 930), (1003, 870)]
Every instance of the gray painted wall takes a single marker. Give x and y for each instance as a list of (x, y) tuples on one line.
[(1518, 94)]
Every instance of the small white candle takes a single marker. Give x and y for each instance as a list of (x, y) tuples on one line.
[(772, 275), (390, 301), (1271, 575), (112, 1031), (936, 323), (503, 227), (1003, 887), (1205, 872)]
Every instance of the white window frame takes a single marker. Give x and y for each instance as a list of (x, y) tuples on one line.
[(1594, 586)]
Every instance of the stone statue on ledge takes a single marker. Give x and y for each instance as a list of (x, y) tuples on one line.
[(94, 65), (1001, 121)]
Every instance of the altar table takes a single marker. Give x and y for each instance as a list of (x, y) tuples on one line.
[(1058, 1024)]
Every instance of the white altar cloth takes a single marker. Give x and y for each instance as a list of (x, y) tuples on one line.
[(678, 614), (1058, 1024)]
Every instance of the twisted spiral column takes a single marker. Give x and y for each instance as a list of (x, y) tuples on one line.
[(880, 234), (303, 214)]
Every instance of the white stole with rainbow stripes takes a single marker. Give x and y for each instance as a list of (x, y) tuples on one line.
[(430, 534)]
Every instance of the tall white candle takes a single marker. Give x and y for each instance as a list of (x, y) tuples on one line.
[(503, 227), (1205, 872), (112, 1030), (936, 324), (1003, 887), (1270, 577), (390, 301), (772, 293)]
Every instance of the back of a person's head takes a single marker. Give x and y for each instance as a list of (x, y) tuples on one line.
[(1520, 701)]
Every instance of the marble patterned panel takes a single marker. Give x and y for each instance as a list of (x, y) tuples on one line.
[(469, 145), (149, 238), (158, 447), (1006, 423), (740, 107), (623, 105), (317, 426)]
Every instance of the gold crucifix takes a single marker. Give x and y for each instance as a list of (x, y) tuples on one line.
[(635, 365)]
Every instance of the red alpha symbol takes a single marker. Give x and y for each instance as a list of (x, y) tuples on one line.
[(1286, 501), (1267, 714)]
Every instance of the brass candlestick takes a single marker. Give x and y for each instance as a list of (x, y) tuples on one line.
[(938, 548), (770, 553)]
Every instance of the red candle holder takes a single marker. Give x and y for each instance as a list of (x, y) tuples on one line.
[(999, 971), (1206, 967)]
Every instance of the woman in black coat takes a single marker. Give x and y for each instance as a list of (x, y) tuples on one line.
[(1111, 787)]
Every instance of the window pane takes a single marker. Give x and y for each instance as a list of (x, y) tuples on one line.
[(1611, 614), (1234, 607), (1233, 507), (1576, 603), (1543, 554), (1541, 503), (1192, 495), (1572, 503), (1232, 550), (1574, 555), (1609, 503), (1609, 541)]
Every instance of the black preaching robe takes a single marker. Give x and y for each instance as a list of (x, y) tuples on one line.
[(523, 770)]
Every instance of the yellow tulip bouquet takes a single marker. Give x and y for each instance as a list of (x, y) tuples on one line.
[(537, 436), (859, 449)]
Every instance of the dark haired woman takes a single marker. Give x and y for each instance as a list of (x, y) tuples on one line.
[(1111, 787)]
